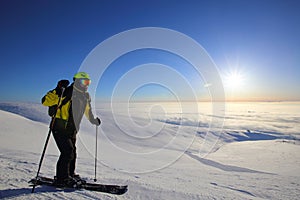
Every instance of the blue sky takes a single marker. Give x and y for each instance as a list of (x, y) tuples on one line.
[(43, 41)]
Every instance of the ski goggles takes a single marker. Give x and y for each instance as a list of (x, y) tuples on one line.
[(85, 82)]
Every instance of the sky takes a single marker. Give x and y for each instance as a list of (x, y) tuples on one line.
[(255, 45)]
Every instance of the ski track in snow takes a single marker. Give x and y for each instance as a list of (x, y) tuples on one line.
[(253, 160)]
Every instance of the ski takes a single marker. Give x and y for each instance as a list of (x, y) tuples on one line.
[(112, 189)]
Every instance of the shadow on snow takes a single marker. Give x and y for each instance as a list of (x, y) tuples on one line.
[(18, 192), (230, 168)]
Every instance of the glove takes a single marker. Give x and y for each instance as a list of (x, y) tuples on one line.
[(60, 85), (63, 84), (96, 121)]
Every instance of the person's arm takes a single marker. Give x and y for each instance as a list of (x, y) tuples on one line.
[(89, 114), (52, 97)]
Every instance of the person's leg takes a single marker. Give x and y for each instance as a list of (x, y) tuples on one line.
[(66, 148), (73, 161)]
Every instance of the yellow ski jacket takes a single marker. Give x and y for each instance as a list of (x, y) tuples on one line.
[(73, 104)]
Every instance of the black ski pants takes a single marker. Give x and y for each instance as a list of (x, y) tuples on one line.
[(66, 143)]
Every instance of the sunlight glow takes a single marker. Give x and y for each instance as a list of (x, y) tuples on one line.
[(234, 79)]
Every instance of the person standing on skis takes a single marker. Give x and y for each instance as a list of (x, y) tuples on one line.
[(75, 102)]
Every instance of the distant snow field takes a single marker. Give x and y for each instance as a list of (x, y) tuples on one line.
[(161, 151)]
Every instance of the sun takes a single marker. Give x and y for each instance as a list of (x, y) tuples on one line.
[(234, 79)]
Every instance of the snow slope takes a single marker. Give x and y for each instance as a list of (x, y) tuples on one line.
[(249, 162)]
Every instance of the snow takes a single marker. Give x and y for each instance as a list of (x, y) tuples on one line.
[(158, 152)]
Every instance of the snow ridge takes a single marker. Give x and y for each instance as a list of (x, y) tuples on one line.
[(34, 111)]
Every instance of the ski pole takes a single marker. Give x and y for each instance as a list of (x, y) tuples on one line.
[(96, 147), (47, 140)]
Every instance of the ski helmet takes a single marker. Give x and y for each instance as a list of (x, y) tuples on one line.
[(81, 75)]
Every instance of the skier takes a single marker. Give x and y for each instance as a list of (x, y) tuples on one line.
[(75, 102)]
